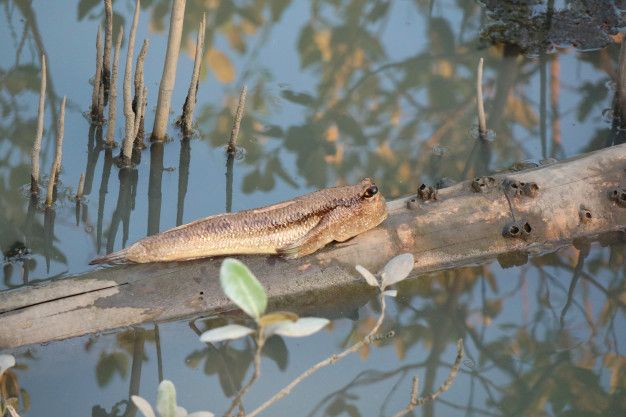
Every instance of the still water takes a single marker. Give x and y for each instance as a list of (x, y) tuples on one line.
[(338, 90)]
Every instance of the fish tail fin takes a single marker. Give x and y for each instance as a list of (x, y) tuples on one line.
[(118, 257)]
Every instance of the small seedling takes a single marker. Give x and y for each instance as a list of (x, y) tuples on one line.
[(165, 403)]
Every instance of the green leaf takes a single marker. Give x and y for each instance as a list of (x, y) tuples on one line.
[(302, 327), (166, 399), (6, 362), (369, 277), (243, 289), (397, 269), (229, 332), (143, 406)]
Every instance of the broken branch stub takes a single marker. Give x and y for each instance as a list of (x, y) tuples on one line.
[(186, 118), (34, 155)]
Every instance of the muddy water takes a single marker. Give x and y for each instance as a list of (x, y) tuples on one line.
[(337, 91)]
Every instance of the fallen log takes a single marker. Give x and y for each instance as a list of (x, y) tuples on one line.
[(508, 216)]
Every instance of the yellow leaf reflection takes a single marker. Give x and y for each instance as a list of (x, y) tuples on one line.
[(220, 65), (332, 133), (322, 40)]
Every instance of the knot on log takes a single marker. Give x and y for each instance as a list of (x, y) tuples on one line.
[(520, 229), (618, 196), (426, 192), (584, 214), (483, 184), (516, 188)]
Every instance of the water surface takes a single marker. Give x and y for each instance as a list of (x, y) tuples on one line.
[(338, 90)]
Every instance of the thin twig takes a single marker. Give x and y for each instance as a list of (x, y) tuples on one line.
[(110, 141), (12, 411), (186, 118), (621, 82), (108, 40), (56, 165), (232, 143), (129, 138), (34, 155), (328, 361), (81, 187), (260, 342), (482, 123), (169, 71), (95, 95), (454, 371)]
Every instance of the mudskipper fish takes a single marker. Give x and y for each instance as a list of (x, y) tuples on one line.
[(293, 228)]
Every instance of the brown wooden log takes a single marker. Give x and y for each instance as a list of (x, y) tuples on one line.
[(573, 199)]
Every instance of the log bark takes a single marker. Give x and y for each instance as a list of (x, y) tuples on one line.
[(574, 200)]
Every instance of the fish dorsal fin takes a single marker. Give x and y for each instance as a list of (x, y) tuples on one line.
[(277, 206)]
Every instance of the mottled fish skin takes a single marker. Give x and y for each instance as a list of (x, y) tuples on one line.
[(292, 228)]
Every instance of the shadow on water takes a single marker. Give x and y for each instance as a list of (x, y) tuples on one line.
[(127, 193), (102, 192), (230, 166), (184, 161), (154, 187), (94, 147)]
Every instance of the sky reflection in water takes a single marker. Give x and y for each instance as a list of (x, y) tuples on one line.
[(336, 93)]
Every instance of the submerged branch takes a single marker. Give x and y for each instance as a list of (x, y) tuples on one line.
[(454, 371)]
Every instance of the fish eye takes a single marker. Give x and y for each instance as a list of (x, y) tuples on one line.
[(371, 191)]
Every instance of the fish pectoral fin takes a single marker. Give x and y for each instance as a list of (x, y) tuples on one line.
[(307, 244), (319, 236)]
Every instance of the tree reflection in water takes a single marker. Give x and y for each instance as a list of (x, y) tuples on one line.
[(544, 338), (366, 101), (366, 97)]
